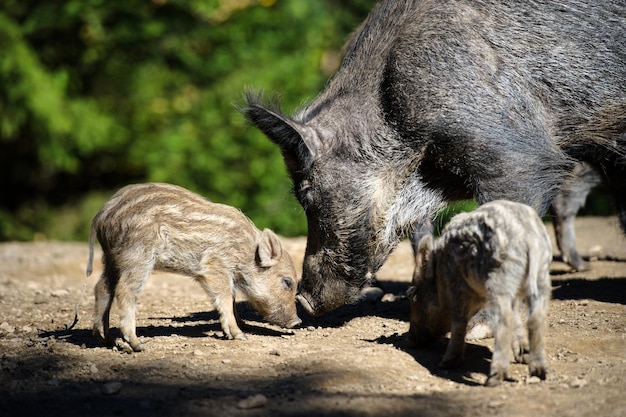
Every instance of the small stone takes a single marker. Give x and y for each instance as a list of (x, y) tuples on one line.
[(371, 294), (111, 388), (388, 298), (59, 293), (254, 401), (226, 361), (93, 368), (496, 404), (53, 382), (595, 250), (533, 380), (577, 382), (274, 353), (6, 327), (198, 352)]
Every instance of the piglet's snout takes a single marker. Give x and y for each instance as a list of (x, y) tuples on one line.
[(294, 323)]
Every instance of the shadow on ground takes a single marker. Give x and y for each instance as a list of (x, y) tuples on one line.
[(610, 290), (137, 394)]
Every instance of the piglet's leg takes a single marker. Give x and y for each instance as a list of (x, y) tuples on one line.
[(224, 300), (455, 353), (520, 343), (240, 322), (126, 294), (538, 308), (104, 299), (503, 322)]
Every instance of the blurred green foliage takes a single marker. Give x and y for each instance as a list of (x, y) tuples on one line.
[(97, 94)]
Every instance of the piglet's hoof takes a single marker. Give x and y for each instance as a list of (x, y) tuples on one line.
[(123, 346), (237, 336), (494, 380)]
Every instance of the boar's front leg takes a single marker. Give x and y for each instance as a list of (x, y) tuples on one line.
[(224, 300)]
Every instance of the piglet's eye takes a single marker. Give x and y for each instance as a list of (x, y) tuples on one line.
[(287, 283)]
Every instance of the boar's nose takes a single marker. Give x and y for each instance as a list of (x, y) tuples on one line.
[(306, 304)]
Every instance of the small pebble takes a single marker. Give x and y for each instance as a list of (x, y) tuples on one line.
[(93, 368), (198, 352), (53, 382), (59, 293), (577, 383), (371, 294), (388, 298), (254, 401), (111, 388), (226, 361), (533, 380), (496, 404), (6, 327)]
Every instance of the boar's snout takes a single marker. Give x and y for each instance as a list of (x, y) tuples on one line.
[(305, 304), (318, 296)]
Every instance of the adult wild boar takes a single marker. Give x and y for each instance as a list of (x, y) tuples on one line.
[(443, 100)]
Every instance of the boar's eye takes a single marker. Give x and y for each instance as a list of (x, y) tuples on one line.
[(303, 192), (287, 283)]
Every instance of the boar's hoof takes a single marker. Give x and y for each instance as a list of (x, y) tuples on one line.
[(451, 363)]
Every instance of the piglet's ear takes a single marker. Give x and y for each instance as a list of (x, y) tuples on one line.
[(269, 250), (423, 260)]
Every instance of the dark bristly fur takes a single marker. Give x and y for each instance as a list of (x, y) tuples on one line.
[(151, 226), (439, 100), (497, 256)]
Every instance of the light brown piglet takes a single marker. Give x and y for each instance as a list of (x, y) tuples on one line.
[(153, 226)]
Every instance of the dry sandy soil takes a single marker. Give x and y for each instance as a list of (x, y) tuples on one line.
[(351, 362)]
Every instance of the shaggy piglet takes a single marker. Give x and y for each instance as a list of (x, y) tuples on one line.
[(495, 256), (165, 227)]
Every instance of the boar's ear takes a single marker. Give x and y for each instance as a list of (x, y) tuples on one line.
[(299, 144), (269, 250), (423, 260)]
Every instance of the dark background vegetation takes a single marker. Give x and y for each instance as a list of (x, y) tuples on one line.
[(98, 94)]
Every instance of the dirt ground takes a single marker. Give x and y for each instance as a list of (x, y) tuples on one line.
[(351, 362)]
